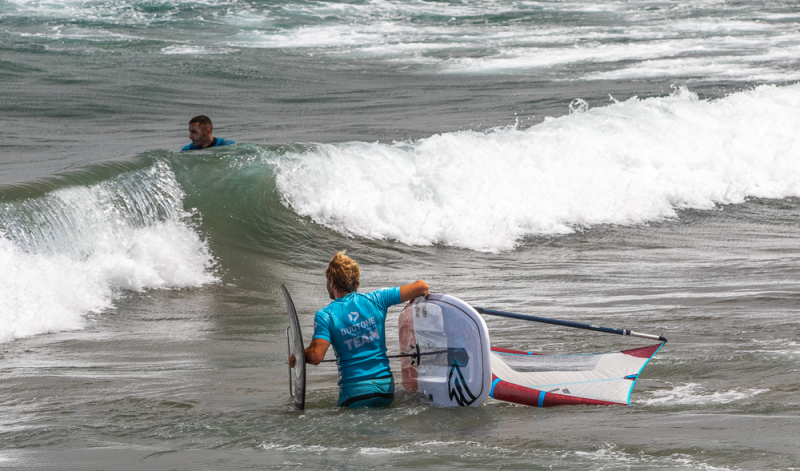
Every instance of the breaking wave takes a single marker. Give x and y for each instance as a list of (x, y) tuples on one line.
[(626, 163), (69, 252)]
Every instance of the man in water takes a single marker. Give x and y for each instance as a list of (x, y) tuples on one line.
[(200, 128), (355, 324)]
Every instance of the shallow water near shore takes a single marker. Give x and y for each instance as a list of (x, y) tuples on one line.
[(626, 165), (196, 379)]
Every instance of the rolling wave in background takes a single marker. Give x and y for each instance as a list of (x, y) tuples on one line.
[(625, 163), (70, 251)]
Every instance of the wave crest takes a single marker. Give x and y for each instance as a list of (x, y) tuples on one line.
[(626, 163), (68, 253)]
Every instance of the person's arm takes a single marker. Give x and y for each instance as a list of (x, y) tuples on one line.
[(409, 292), (315, 352)]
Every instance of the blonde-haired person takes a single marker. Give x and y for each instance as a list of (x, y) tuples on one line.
[(354, 323)]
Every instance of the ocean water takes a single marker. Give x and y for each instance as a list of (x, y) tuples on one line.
[(628, 164)]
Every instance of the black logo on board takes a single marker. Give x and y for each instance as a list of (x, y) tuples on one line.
[(457, 387)]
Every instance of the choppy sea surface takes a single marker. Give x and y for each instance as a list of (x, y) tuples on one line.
[(628, 164)]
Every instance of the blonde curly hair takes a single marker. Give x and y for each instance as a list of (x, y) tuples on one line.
[(343, 272)]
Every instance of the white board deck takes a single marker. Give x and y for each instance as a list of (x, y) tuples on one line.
[(453, 368)]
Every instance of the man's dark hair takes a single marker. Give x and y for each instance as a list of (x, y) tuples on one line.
[(202, 120)]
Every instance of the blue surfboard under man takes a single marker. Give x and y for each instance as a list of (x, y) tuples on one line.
[(200, 132), (355, 324)]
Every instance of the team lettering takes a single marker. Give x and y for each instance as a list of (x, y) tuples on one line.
[(356, 327), (366, 337), (357, 339)]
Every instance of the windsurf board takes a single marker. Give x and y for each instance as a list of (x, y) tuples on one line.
[(451, 365)]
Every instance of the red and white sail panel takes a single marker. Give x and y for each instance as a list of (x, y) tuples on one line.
[(552, 380)]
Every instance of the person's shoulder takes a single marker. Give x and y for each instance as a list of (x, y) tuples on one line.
[(384, 296), (224, 142), (382, 291), (325, 311), (323, 319), (189, 146)]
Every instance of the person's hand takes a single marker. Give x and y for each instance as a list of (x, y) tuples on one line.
[(291, 360), (417, 288)]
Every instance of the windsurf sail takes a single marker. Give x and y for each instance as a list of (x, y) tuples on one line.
[(553, 380)]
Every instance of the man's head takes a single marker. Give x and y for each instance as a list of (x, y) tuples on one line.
[(200, 128), (343, 274)]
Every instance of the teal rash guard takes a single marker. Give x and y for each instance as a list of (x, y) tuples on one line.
[(355, 325), (218, 141)]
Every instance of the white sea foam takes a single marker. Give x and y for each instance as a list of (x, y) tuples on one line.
[(702, 46), (69, 253), (745, 53), (583, 40), (777, 346), (300, 448), (117, 11), (625, 163), (693, 393), (186, 49), (376, 451), (617, 458), (415, 447)]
